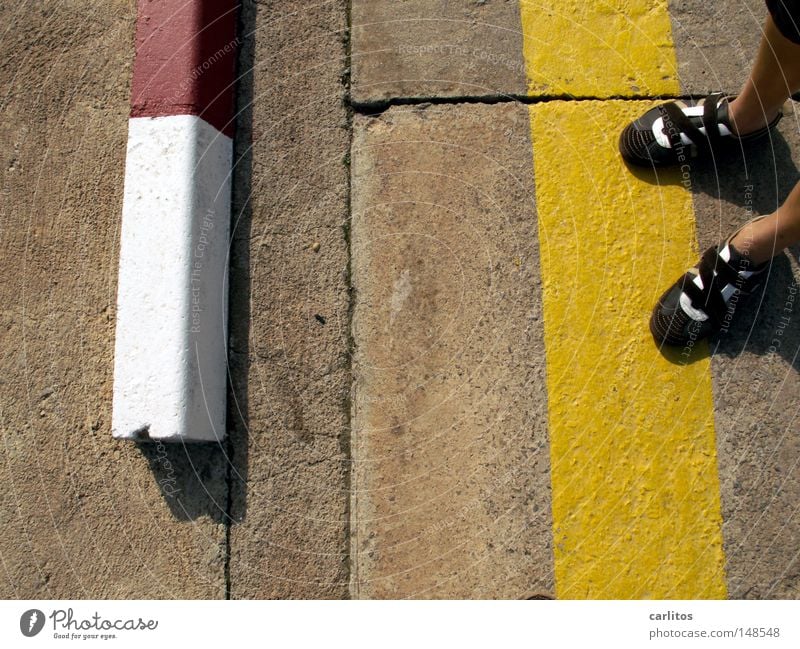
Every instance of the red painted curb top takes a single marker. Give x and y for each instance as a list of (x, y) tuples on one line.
[(186, 60)]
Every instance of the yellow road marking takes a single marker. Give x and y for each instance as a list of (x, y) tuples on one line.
[(636, 505), (598, 48)]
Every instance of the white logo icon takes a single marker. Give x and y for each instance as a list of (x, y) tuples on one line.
[(31, 622)]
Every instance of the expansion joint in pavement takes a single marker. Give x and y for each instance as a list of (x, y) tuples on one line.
[(228, 521), (346, 440), (379, 106), (235, 445)]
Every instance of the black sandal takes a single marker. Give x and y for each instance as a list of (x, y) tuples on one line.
[(671, 325), (639, 144)]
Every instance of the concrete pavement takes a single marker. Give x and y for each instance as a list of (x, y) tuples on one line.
[(83, 516), (289, 412), (435, 49), (617, 512), (756, 381), (395, 426), (450, 492), (462, 49)]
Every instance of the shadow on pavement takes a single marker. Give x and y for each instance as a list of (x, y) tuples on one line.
[(766, 323), (683, 356), (191, 478), (756, 177), (758, 180), (240, 275)]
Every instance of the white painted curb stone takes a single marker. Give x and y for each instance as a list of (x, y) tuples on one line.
[(172, 302)]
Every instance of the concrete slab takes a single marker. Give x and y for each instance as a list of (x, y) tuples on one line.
[(756, 380), (289, 306), (83, 515), (715, 42), (451, 489), (446, 49), (435, 48)]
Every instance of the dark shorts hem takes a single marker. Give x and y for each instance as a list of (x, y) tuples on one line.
[(786, 15)]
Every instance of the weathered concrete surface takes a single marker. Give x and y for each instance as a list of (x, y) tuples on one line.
[(289, 306), (436, 48), (756, 381), (715, 42), (598, 49), (451, 488), (423, 49), (81, 515)]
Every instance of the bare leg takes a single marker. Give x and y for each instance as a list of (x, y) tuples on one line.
[(765, 238), (774, 77), (676, 320)]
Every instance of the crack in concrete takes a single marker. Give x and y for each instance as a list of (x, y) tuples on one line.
[(381, 105)]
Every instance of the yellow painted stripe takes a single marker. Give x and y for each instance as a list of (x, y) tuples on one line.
[(636, 506), (598, 48)]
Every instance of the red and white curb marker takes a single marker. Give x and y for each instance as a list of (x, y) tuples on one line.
[(172, 303)]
